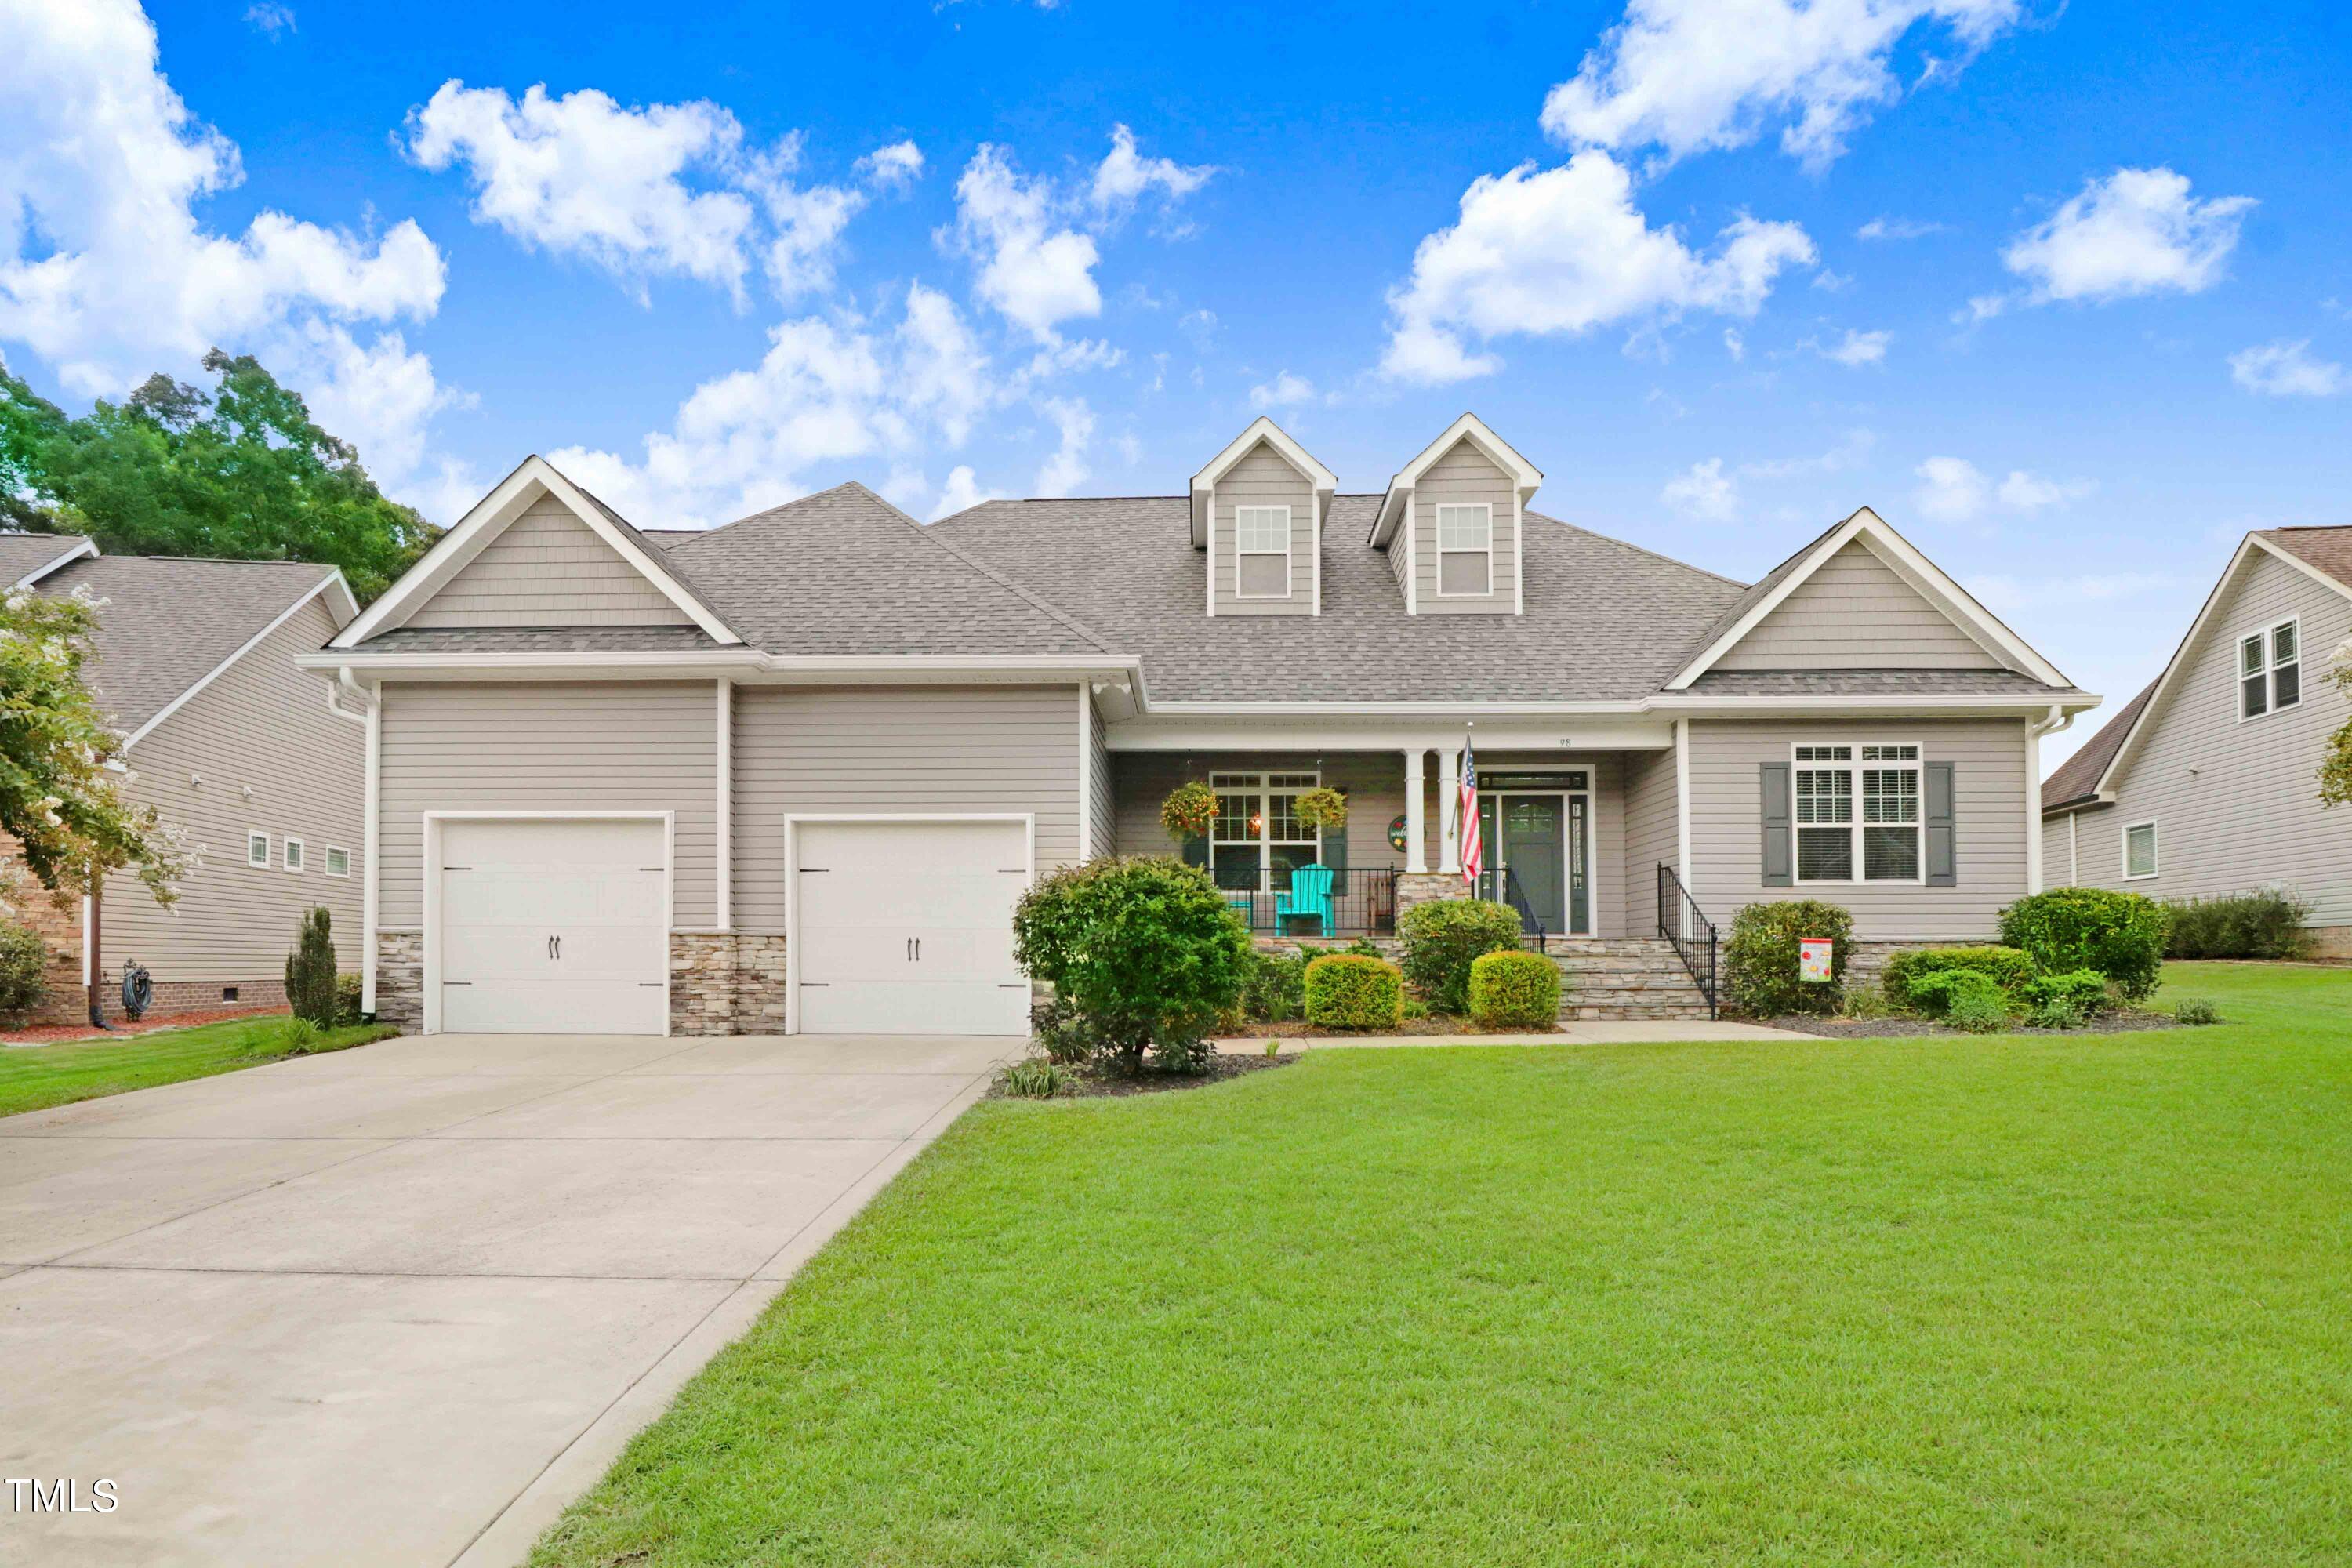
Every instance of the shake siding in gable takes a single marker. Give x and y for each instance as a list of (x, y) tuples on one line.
[(262, 726), (1264, 478), (1651, 835), (1856, 613), (1989, 815), (1465, 475), (548, 746), (2236, 803), (548, 569), (883, 749)]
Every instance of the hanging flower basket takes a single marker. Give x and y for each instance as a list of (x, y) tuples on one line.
[(1324, 809), (1190, 811)]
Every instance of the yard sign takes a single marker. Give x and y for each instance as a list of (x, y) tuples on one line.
[(1813, 958)]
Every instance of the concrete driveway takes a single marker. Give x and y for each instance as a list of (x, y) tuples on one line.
[(399, 1304)]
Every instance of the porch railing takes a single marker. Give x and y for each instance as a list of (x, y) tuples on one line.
[(1691, 932), (1504, 887), (1362, 901)]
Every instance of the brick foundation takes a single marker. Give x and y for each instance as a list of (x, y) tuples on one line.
[(726, 983), (2331, 944), (400, 979)]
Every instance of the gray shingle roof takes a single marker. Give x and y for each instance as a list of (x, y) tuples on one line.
[(1864, 683), (25, 552), (1603, 618), (168, 623), (2076, 779), (543, 639)]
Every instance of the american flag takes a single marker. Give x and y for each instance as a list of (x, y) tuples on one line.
[(1472, 849)]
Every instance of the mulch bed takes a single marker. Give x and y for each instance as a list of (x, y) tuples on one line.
[(2124, 1021), (59, 1034), (1100, 1083)]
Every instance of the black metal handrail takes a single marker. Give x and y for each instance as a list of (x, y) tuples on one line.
[(1501, 884), (1362, 901), (1681, 924)]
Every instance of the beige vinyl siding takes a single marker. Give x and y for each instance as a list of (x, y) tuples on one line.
[(1653, 834), (1856, 612), (2057, 866), (1263, 478), (2236, 803), (263, 726), (548, 569), (1102, 812), (1397, 549), (548, 746), (884, 750), (1465, 475), (1988, 823)]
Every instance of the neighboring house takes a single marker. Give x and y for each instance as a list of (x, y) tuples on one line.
[(2208, 782), (790, 773), (229, 741)]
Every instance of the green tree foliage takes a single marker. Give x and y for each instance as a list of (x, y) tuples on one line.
[(311, 972), (2336, 759), (240, 472), (65, 807)]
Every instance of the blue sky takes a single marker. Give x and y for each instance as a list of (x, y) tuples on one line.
[(2062, 290)]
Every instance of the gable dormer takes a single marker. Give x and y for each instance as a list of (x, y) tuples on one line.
[(1450, 523), (1258, 519)]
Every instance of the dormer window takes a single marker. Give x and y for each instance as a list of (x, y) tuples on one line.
[(1465, 549), (1262, 552)]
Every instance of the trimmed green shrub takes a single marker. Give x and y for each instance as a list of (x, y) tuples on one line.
[(1345, 991), (1442, 939), (348, 997), (1759, 959), (2196, 1010), (1938, 995), (2121, 936), (2083, 989), (2266, 923), (24, 971), (311, 970), (1513, 990), (1274, 991), (1142, 954), (2005, 967), (1980, 1011)]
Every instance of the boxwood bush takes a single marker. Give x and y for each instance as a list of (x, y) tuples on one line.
[(1947, 991), (1142, 953), (2121, 936), (24, 971), (2266, 923), (1513, 990), (2007, 967), (1442, 939), (1759, 960), (1347, 991)]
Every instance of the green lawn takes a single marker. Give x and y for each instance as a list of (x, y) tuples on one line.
[(1976, 1301), (34, 1077)]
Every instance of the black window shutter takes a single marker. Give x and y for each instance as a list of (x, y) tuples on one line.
[(1943, 860), (1779, 848), (1196, 852), (1335, 848)]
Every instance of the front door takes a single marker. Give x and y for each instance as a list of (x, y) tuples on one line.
[(1534, 847)]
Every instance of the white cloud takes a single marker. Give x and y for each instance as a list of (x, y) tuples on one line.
[(1067, 469), (1734, 344), (893, 167), (2027, 492), (1951, 489), (1690, 75), (1852, 449), (942, 371), (806, 226), (2284, 369), (1857, 349), (270, 17), (1704, 491), (962, 492), (1284, 392), (1564, 250), (1899, 228), (2138, 231), (1036, 274), (1124, 176), (104, 269)]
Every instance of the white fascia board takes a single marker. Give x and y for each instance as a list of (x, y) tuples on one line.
[(339, 594), (1947, 705), (1263, 429), (1526, 477), (1338, 731), (83, 545), (490, 517), (745, 665)]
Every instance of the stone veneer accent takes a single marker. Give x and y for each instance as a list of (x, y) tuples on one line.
[(400, 979), (1414, 888), (726, 983)]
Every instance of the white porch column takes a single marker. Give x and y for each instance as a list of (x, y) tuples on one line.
[(1449, 806), (1417, 827)]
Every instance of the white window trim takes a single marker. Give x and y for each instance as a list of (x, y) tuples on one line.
[(1241, 554), (1255, 785), (1855, 766), (252, 836), (1442, 508), (294, 854), (2155, 848), (2268, 632), (327, 865)]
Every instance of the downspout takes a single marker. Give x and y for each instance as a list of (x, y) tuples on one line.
[(370, 719), (2050, 723)]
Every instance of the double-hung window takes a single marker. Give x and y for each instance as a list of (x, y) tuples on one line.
[(1262, 552), (1858, 814), (1465, 549), (1259, 840), (2270, 669)]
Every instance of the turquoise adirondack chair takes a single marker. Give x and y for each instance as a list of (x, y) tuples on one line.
[(1310, 896)]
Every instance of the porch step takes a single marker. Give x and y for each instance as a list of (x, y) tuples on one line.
[(1624, 978)]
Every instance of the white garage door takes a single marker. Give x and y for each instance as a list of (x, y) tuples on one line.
[(906, 927), (553, 927)]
